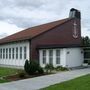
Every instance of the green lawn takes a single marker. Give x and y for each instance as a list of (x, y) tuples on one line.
[(3, 81), (81, 83), (6, 72)]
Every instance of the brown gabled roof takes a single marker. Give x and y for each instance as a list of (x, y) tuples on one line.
[(32, 32)]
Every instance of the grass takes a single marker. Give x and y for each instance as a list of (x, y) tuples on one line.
[(7, 72), (81, 83), (3, 81)]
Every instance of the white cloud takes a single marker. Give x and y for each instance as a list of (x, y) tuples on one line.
[(20, 14), (85, 32), (2, 35), (6, 28)]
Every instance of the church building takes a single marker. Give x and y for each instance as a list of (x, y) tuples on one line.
[(57, 43)]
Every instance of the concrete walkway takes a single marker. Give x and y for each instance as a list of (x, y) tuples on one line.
[(43, 81)]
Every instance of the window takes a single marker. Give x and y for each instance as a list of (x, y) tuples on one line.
[(16, 52), (3, 53), (44, 56), (6, 53), (51, 56), (12, 53), (9, 53), (25, 51), (20, 52), (0, 54), (87, 54), (57, 56)]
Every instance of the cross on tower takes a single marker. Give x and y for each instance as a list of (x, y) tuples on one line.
[(75, 33)]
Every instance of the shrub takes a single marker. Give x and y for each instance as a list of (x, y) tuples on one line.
[(60, 68), (26, 66), (32, 67), (22, 75), (64, 69), (49, 67), (40, 70)]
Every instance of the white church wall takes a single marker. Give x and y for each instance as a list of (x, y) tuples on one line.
[(63, 57), (69, 57), (18, 61), (74, 57)]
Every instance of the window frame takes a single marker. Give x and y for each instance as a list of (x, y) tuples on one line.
[(51, 56), (16, 52), (13, 53), (25, 52), (3, 53), (20, 52), (44, 56), (9, 53), (57, 56), (6, 53)]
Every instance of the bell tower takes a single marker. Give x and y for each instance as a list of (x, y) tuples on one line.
[(76, 16), (74, 13)]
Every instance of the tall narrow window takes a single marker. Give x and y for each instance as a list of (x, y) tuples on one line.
[(16, 52), (20, 52), (57, 56), (44, 56), (0, 53), (9, 53), (51, 56), (6, 53), (3, 53), (12, 53), (25, 51)]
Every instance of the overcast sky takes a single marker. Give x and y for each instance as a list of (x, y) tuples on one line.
[(16, 15)]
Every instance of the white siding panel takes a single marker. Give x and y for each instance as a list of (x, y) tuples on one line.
[(74, 57), (16, 62), (63, 57)]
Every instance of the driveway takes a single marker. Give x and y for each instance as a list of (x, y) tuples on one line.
[(43, 81)]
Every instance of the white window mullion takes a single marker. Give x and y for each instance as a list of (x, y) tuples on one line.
[(40, 58), (47, 56), (54, 57), (58, 56)]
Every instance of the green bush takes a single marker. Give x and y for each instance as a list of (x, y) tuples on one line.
[(60, 68), (49, 67), (64, 69), (22, 75), (32, 67), (40, 70), (26, 66)]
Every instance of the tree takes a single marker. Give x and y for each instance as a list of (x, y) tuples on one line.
[(86, 41)]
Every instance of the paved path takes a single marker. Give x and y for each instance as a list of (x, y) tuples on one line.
[(43, 81)]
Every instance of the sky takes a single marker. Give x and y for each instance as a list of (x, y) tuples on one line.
[(16, 15)]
